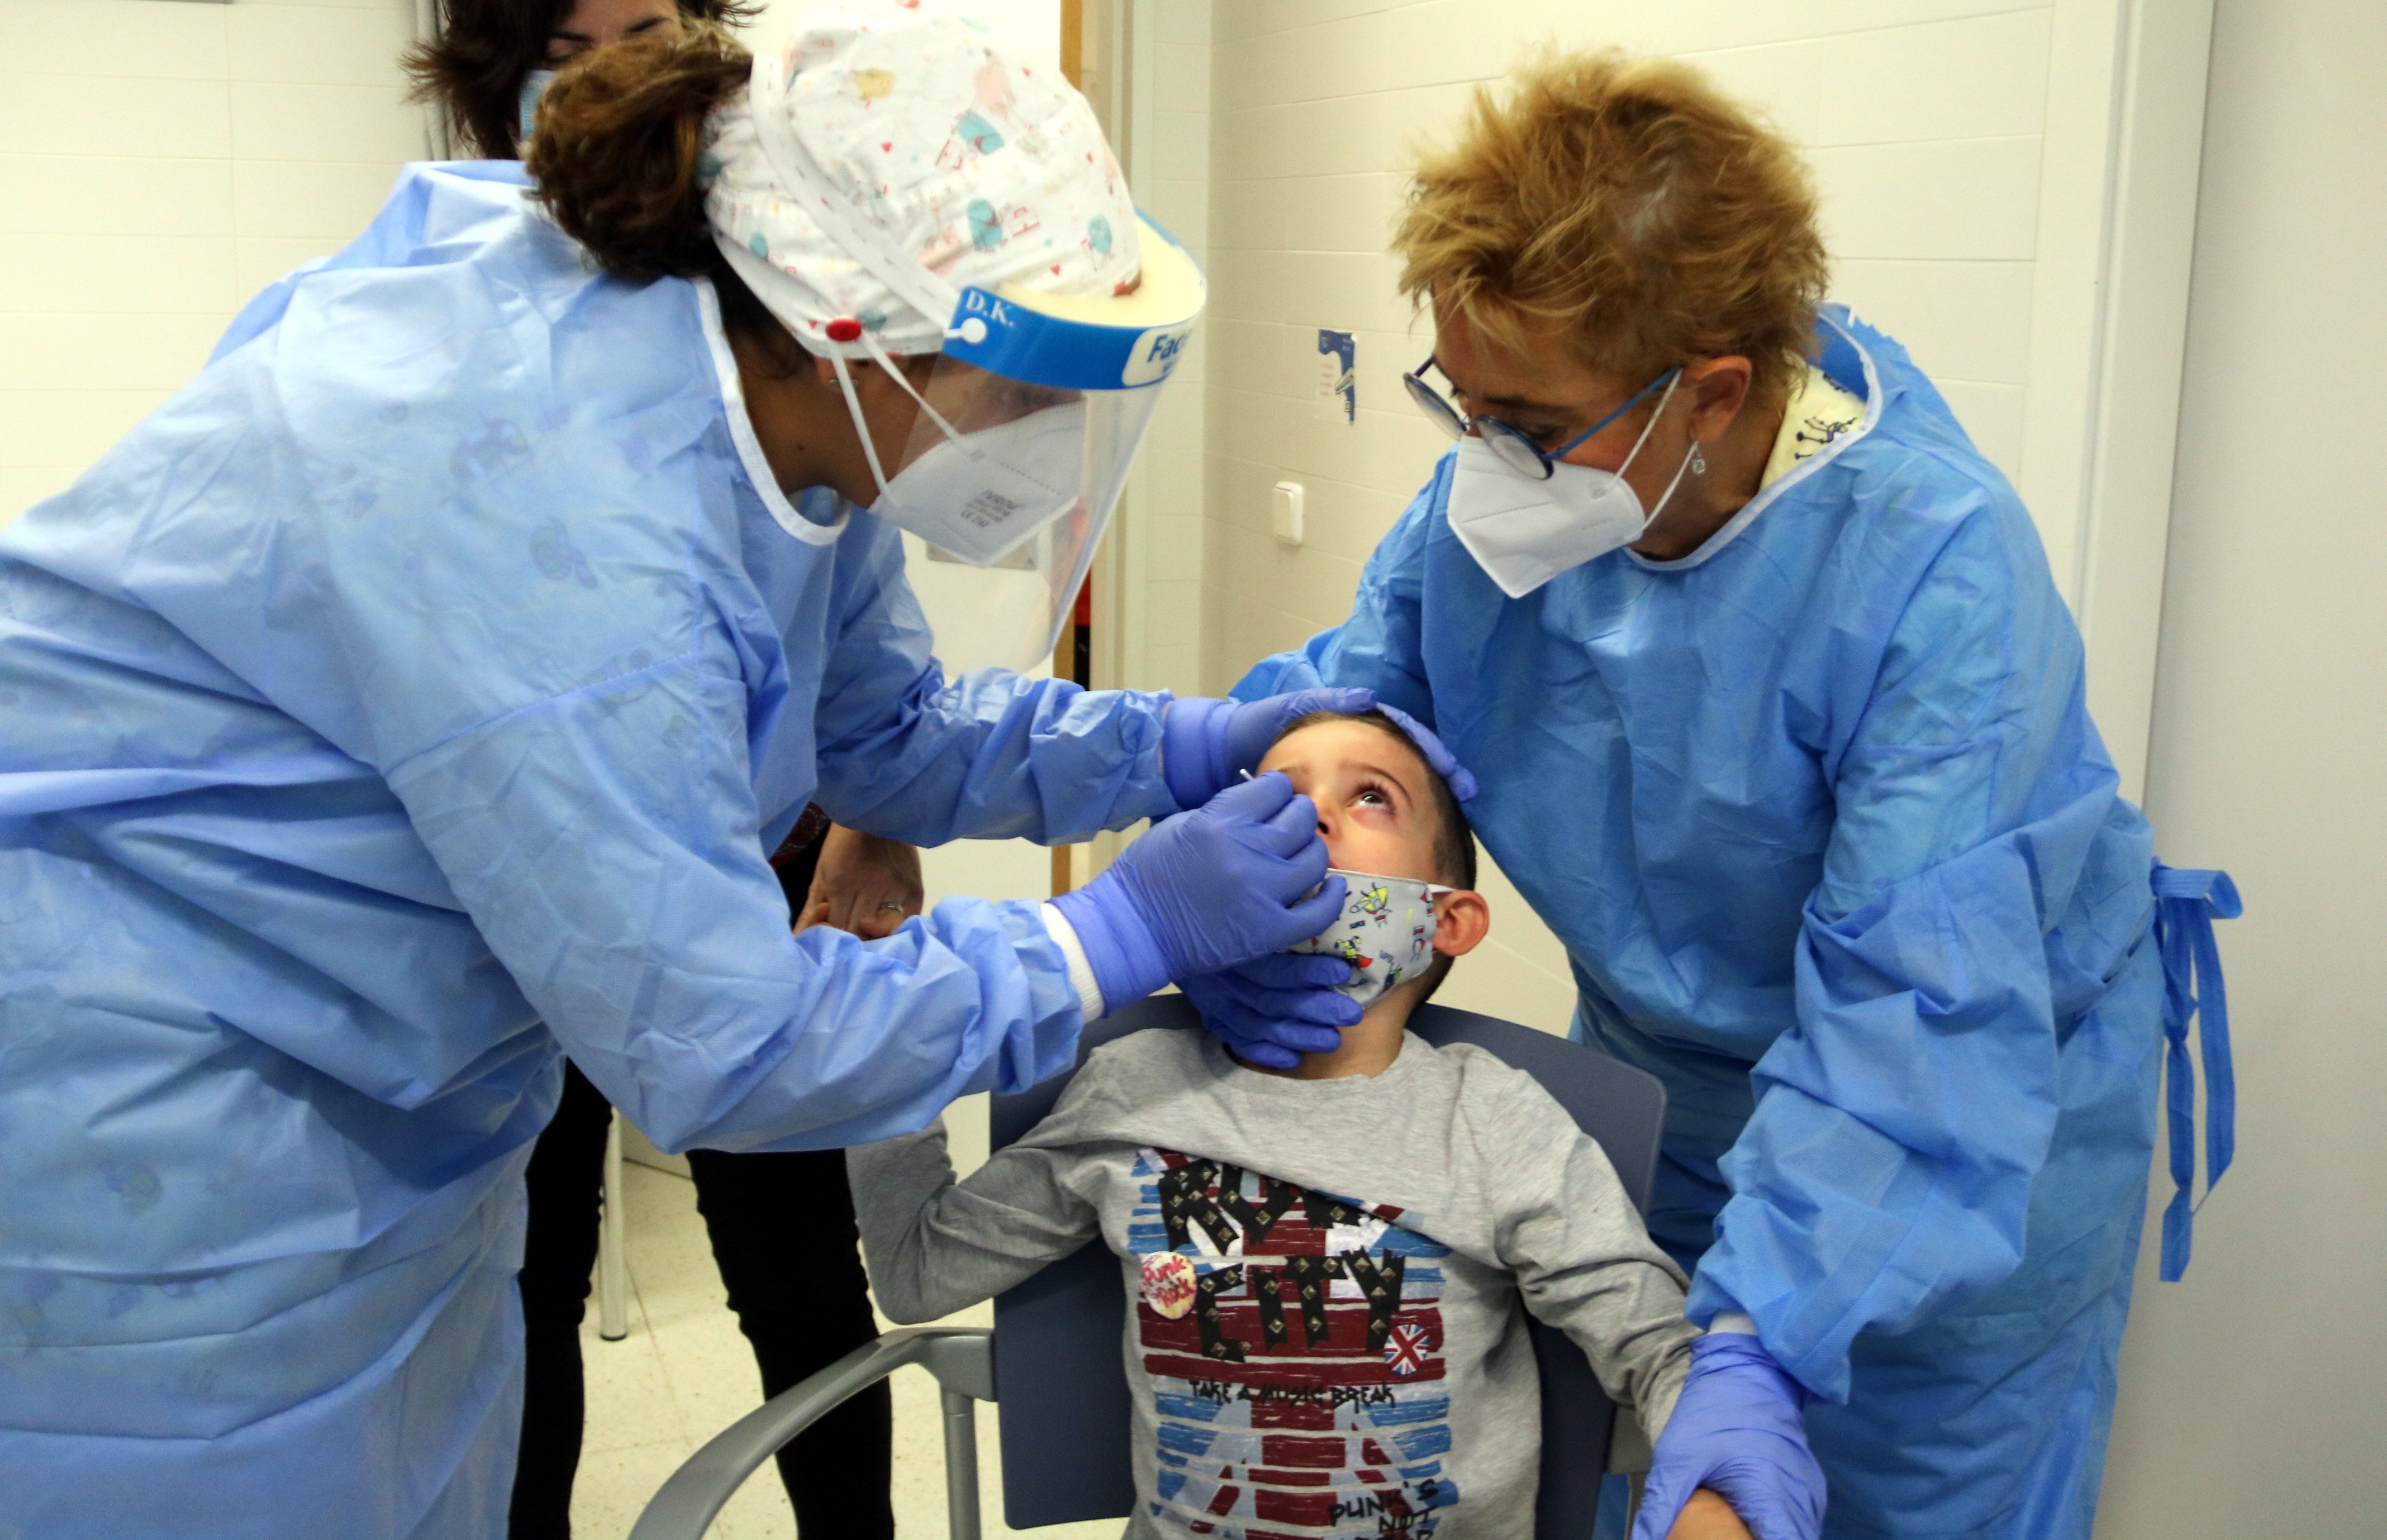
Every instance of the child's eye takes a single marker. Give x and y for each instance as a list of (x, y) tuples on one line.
[(1372, 796)]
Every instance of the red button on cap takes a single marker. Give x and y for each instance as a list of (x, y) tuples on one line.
[(844, 329)]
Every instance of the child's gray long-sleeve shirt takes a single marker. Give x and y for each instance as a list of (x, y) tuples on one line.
[(1325, 1340)]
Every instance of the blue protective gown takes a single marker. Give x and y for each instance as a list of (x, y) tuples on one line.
[(1837, 853), (413, 696)]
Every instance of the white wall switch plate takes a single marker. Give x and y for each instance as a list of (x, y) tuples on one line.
[(1284, 511)]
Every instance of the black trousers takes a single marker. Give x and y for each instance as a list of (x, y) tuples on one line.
[(783, 1236)]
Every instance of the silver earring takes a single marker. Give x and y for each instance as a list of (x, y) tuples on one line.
[(1698, 460)]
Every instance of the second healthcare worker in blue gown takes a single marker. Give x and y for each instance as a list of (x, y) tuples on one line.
[(1778, 721), (423, 687)]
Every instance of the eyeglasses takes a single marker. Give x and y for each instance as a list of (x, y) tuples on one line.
[(1514, 446)]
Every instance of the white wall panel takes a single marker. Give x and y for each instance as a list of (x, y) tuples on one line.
[(281, 121), (322, 202), (92, 115), (52, 195), (22, 486), (314, 45), (1950, 200), (69, 351), (1971, 319), (73, 426), (112, 274), (1975, 78), (120, 39), (158, 164)]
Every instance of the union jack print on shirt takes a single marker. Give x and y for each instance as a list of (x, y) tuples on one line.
[(1300, 1393)]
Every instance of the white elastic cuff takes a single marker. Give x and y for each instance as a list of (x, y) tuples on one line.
[(1732, 1321), (1073, 952)]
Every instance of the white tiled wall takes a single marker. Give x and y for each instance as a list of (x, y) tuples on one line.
[(1923, 119), (159, 162), (1169, 164)]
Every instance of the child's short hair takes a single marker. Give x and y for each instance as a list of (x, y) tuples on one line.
[(1454, 838)]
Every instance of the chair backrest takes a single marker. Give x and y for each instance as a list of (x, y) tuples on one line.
[(1061, 1389)]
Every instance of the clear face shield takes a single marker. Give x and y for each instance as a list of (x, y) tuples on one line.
[(1027, 427), (1003, 492)]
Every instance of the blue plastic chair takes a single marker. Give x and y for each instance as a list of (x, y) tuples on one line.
[(1052, 1364)]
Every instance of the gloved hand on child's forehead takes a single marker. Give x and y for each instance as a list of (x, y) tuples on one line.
[(1437, 755)]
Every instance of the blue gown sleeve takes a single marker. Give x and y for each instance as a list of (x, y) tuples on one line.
[(907, 754), (605, 843), (1378, 647), (1887, 1171)]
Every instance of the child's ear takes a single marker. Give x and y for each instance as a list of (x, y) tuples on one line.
[(1460, 921)]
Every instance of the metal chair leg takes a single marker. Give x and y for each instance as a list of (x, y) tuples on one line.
[(961, 1466), (612, 1264)]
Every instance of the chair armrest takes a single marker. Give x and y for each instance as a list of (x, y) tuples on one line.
[(961, 1357)]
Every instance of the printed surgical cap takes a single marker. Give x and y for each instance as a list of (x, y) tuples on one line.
[(942, 138)]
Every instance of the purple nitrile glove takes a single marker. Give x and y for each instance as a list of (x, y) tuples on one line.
[(1437, 755), (1740, 1428), (1273, 1009), (1240, 876), (1204, 741)]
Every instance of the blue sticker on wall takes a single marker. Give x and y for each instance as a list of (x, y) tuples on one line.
[(1338, 389)]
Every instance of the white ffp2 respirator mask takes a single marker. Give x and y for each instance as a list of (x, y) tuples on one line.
[(977, 494), (1523, 531)]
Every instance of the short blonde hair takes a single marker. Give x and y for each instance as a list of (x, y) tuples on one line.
[(1627, 204)]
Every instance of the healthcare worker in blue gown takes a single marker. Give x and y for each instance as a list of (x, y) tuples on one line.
[(1779, 725), (416, 695)]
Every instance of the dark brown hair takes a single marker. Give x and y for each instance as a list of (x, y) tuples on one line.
[(615, 164), (473, 69)]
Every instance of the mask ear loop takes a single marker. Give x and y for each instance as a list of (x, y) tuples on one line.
[(1667, 496), (861, 424), (1652, 426)]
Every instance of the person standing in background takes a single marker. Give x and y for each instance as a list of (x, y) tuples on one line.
[(492, 58), (798, 1290)]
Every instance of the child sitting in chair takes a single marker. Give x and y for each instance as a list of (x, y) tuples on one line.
[(1326, 1262)]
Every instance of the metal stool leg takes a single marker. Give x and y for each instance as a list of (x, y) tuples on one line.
[(961, 1465), (612, 1266)]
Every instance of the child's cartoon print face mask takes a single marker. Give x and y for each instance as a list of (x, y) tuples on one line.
[(1385, 932)]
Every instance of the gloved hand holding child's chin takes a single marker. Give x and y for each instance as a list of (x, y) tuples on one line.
[(1272, 1010), (1237, 879)]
